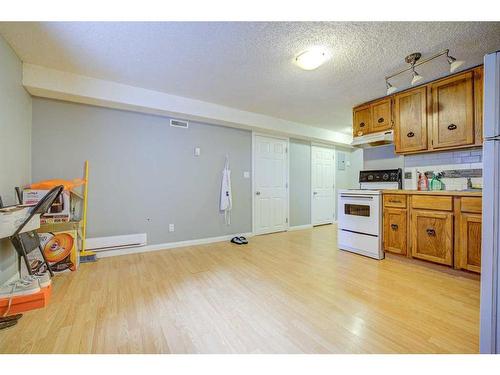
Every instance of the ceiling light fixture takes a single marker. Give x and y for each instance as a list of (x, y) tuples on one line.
[(390, 88), (454, 63), (416, 78), (312, 58), (414, 60)]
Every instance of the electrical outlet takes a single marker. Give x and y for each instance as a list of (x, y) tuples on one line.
[(246, 174), (171, 227), (197, 151)]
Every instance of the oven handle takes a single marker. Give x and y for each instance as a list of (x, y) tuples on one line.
[(361, 197)]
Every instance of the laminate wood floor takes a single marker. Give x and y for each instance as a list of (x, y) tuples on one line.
[(289, 292)]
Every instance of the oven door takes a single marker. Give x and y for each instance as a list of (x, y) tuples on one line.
[(359, 213)]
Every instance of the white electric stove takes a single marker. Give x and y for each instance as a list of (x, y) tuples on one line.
[(360, 212)]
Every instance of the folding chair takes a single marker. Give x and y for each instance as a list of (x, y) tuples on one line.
[(26, 242)]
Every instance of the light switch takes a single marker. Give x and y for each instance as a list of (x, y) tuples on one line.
[(197, 151), (246, 174)]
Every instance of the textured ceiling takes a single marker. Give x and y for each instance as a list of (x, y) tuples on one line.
[(249, 65)]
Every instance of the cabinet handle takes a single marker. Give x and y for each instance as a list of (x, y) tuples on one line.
[(431, 232), (394, 226), (452, 127), (394, 201), (410, 134), (362, 125), (380, 120)]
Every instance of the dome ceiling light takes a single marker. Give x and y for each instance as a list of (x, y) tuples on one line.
[(312, 58)]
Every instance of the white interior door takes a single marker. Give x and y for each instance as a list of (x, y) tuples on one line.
[(322, 185), (270, 184)]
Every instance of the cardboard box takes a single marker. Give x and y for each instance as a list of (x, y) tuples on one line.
[(60, 249), (21, 304), (59, 212)]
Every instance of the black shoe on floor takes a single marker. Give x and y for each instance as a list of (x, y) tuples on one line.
[(236, 240), (10, 318), (8, 324)]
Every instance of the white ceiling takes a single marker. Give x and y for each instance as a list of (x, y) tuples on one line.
[(249, 65)]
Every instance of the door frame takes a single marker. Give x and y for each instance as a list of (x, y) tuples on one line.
[(332, 147), (287, 171)]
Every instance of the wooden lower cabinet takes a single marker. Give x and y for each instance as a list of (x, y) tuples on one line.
[(439, 228), (469, 245), (395, 230), (432, 236)]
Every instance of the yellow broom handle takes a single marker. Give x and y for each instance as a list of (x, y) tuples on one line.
[(85, 192)]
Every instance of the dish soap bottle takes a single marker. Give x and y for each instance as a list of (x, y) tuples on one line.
[(425, 183), (420, 182), (436, 183)]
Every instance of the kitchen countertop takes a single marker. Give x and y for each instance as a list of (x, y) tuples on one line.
[(436, 192)]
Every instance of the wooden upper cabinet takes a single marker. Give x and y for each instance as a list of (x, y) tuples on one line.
[(478, 105), (453, 111), (362, 120), (440, 115), (410, 120), (381, 115)]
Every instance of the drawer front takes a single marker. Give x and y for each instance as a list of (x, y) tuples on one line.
[(395, 200), (432, 236), (470, 204), (428, 202)]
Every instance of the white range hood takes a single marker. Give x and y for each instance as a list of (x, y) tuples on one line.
[(374, 139)]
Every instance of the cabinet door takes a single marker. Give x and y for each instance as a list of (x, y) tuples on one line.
[(432, 236), (453, 111), (362, 121), (395, 230), (470, 242), (381, 115), (410, 120)]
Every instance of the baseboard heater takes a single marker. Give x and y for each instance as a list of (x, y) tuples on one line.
[(116, 242)]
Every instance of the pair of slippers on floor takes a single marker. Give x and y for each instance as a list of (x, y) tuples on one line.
[(9, 321), (239, 240)]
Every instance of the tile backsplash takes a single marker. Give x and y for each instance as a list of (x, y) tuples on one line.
[(457, 165)]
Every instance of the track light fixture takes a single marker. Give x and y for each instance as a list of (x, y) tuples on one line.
[(390, 88), (454, 63), (414, 60), (416, 77)]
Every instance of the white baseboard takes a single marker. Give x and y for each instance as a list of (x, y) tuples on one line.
[(300, 227), (168, 245)]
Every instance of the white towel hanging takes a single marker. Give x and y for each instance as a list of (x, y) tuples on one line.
[(226, 199)]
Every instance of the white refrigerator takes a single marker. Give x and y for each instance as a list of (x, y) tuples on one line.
[(490, 259)]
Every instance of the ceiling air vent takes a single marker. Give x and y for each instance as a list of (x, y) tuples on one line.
[(179, 123)]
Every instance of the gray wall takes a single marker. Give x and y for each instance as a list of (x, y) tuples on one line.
[(15, 142), (300, 182), (143, 173), (348, 178), (382, 157), (300, 178)]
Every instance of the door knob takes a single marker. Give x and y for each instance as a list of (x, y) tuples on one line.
[(257, 193), (315, 192)]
